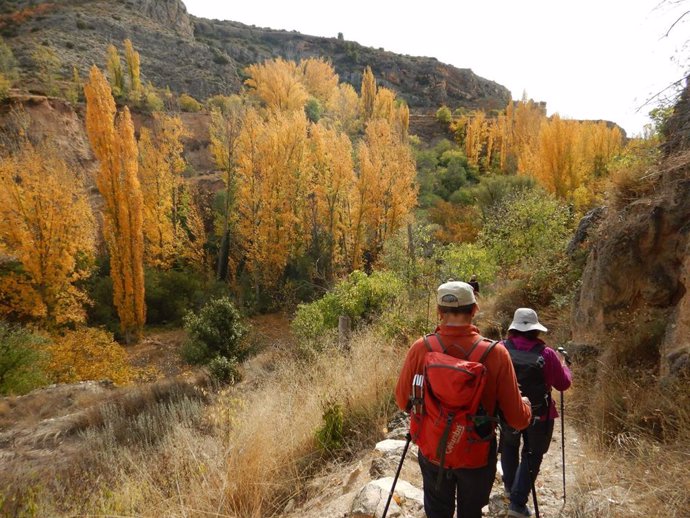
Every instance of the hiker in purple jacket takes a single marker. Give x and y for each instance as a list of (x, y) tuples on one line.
[(539, 369)]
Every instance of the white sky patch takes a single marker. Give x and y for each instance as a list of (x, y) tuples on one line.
[(588, 59)]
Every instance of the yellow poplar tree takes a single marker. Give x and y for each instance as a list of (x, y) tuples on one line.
[(115, 72), (46, 225), (160, 169), (385, 188), (277, 83), (368, 94), (133, 68), (319, 79), (272, 187), (332, 179), (113, 143), (343, 109)]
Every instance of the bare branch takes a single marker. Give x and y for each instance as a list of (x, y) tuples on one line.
[(675, 23)]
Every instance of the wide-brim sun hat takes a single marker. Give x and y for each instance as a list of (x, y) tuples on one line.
[(525, 319)]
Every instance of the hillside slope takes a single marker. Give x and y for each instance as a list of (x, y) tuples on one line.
[(206, 57)]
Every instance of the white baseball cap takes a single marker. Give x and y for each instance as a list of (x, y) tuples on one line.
[(455, 294), (525, 319)]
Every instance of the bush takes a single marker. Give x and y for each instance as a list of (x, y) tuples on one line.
[(217, 330), (444, 115), (360, 297), (330, 435), (461, 261), (188, 103), (21, 360), (170, 294), (224, 370), (526, 229), (313, 110), (88, 354)]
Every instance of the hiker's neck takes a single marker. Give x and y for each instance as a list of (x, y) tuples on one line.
[(453, 319)]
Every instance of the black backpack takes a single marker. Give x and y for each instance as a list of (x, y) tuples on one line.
[(529, 370)]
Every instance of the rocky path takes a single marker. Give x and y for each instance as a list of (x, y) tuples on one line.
[(359, 489)]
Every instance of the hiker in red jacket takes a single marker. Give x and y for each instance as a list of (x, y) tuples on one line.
[(539, 368), (469, 488)]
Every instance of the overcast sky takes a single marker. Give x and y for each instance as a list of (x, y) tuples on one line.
[(588, 59)]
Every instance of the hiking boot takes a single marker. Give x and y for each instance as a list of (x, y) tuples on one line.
[(519, 511)]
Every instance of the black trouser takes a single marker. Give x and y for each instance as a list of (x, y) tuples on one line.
[(516, 466), (472, 488)]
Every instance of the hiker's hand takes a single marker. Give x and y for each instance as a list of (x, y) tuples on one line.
[(563, 356), (526, 401)]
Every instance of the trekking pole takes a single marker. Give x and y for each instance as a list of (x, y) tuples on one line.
[(532, 476), (563, 442), (397, 474), (564, 353)]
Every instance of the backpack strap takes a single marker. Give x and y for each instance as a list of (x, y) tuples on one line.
[(438, 339), (485, 353)]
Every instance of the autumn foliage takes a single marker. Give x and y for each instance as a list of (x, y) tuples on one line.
[(567, 157), (88, 354), (113, 143), (47, 231), (298, 187)]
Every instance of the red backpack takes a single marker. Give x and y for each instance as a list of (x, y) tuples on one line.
[(447, 421)]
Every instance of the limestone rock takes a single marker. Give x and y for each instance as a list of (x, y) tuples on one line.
[(407, 501)]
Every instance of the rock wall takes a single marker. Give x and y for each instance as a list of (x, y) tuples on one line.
[(637, 274), (207, 57)]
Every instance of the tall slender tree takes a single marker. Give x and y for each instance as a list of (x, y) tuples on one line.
[(112, 139)]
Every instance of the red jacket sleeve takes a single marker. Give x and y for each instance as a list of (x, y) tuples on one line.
[(414, 364)]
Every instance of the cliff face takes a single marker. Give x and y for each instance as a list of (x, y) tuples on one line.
[(636, 279), (205, 57)]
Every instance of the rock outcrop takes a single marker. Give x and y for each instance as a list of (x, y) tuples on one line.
[(206, 57), (635, 282)]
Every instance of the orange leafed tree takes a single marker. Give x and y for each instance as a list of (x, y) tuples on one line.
[(272, 185), (385, 188), (160, 168), (343, 109), (332, 178), (46, 226), (278, 84), (368, 94), (319, 79), (113, 143)]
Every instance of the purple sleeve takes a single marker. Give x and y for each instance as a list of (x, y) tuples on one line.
[(555, 375)]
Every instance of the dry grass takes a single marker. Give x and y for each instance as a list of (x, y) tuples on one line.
[(246, 455)]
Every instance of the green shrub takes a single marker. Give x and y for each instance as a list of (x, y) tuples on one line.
[(217, 330), (330, 435), (170, 294), (224, 370), (21, 360), (313, 109), (461, 261), (444, 115), (526, 229), (188, 103), (361, 297)]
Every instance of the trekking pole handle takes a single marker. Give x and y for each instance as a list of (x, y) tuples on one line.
[(565, 355)]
